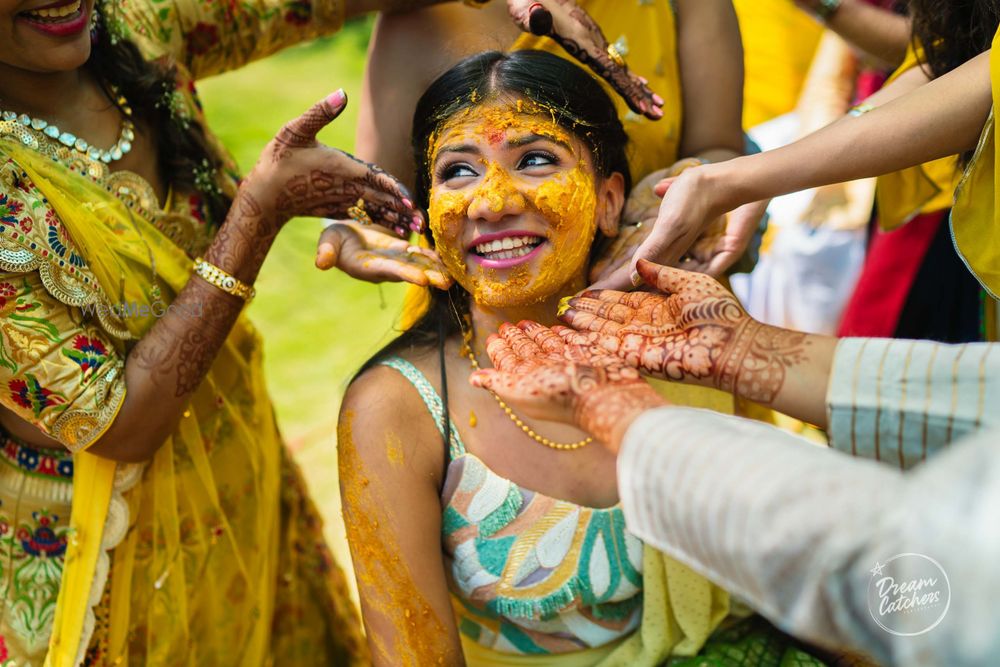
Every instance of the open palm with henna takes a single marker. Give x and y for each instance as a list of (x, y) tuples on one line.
[(694, 331), (574, 30), (296, 175), (559, 375)]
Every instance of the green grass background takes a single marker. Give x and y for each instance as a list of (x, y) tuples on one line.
[(318, 327)]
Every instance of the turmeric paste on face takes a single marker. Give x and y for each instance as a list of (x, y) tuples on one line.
[(566, 202)]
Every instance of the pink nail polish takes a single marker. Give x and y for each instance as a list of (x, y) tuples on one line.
[(336, 98), (643, 107), (657, 100), (407, 203)]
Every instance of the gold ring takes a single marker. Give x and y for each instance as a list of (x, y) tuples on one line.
[(616, 55), (359, 215)]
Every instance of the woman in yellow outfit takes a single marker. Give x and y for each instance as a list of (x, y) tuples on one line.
[(910, 122), (149, 513)]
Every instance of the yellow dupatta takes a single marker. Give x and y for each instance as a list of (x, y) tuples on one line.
[(926, 188), (198, 564), (974, 221)]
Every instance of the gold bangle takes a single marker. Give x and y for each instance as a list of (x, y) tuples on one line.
[(227, 283), (616, 55)]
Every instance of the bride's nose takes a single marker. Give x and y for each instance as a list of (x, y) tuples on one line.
[(496, 197)]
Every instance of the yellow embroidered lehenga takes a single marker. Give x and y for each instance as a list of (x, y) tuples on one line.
[(210, 554)]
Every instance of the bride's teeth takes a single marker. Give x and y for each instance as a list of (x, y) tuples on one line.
[(56, 12), (508, 243)]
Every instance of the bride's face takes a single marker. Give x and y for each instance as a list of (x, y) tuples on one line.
[(514, 203)]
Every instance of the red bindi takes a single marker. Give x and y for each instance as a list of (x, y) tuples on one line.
[(494, 135)]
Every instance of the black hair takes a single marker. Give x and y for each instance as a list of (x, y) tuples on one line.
[(952, 32), (576, 101), (183, 148)]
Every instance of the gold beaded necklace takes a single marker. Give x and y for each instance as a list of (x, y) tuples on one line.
[(467, 352)]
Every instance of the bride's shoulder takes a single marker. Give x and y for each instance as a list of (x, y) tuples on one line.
[(394, 388), (385, 404)]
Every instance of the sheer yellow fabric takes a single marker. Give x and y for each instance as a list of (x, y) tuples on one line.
[(213, 561), (974, 221), (926, 188), (779, 41)]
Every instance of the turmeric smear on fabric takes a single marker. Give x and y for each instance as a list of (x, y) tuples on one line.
[(384, 580)]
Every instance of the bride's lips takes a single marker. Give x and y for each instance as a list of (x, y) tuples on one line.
[(64, 18), (497, 239)]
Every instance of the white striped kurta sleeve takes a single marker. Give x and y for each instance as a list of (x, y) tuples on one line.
[(795, 529), (899, 401)]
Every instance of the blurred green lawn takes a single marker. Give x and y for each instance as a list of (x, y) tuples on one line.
[(318, 327)]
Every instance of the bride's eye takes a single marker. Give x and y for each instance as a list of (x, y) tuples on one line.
[(455, 170), (537, 159)]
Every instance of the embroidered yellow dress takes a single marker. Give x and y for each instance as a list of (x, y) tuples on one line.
[(211, 554)]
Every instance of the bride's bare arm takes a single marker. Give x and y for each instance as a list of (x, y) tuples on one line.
[(391, 461)]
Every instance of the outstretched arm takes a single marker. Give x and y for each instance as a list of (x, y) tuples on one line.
[(695, 331), (942, 118), (295, 175), (880, 33)]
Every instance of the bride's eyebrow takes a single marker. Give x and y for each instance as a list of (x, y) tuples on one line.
[(455, 148), (527, 139)]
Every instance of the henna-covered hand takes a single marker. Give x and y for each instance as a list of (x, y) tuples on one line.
[(696, 332), (558, 375), (712, 252), (374, 255), (296, 175), (574, 30)]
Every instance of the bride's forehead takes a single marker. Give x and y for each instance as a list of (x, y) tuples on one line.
[(498, 121)]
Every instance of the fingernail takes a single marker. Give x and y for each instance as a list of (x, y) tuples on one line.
[(336, 98), (407, 203), (636, 279), (657, 100)]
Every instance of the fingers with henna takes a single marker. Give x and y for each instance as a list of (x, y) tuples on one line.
[(584, 321), (500, 353), (544, 338), (519, 343)]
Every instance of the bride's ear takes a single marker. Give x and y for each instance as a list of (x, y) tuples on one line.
[(610, 202)]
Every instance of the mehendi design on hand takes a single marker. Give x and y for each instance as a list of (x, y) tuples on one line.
[(304, 177), (695, 332), (558, 374), (575, 31)]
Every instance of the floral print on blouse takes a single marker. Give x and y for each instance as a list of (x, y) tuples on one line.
[(61, 358)]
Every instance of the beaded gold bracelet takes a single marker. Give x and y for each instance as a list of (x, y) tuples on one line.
[(227, 283)]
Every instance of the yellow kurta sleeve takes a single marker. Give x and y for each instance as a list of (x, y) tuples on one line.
[(926, 188), (213, 36), (974, 220), (59, 374)]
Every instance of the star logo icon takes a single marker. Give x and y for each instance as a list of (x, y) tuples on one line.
[(877, 570)]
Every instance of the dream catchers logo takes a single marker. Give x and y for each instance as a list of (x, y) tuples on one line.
[(909, 594)]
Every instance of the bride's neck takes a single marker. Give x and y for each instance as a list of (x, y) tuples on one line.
[(486, 320)]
